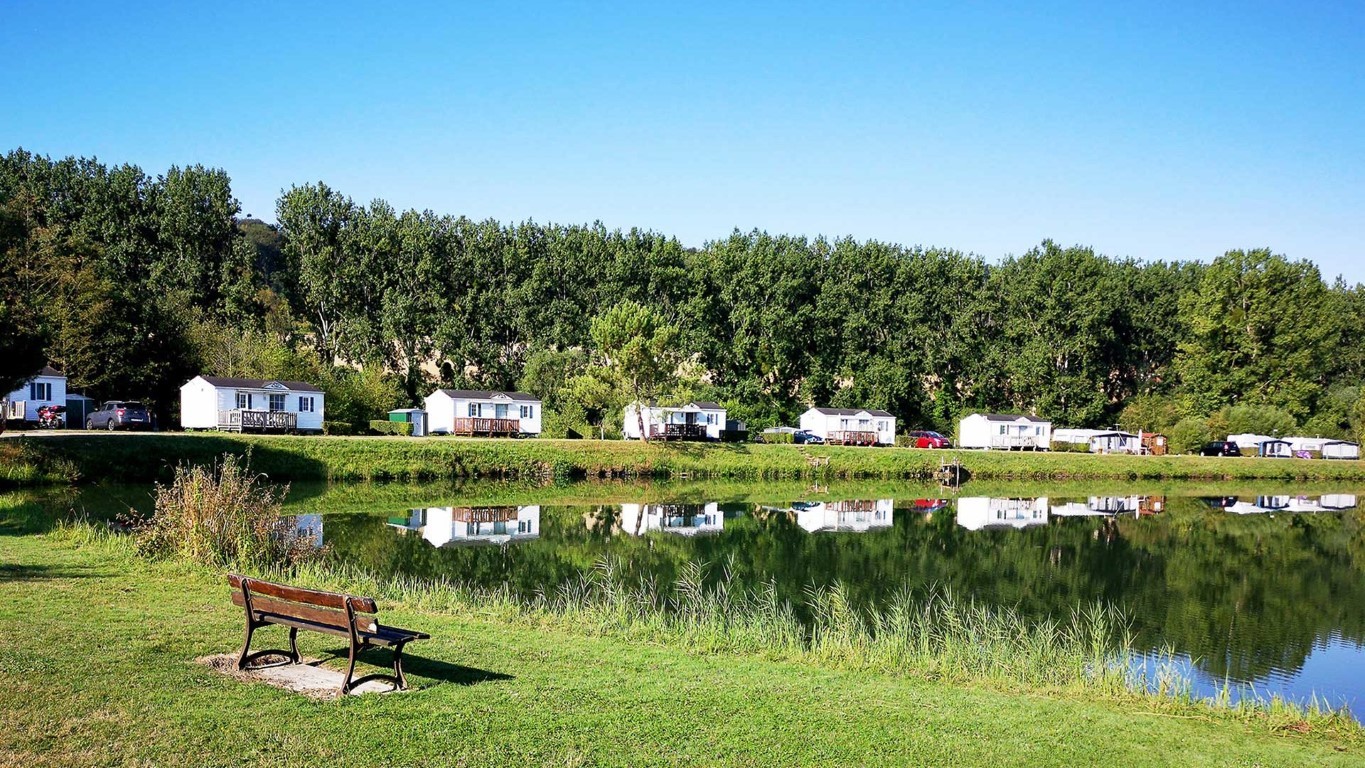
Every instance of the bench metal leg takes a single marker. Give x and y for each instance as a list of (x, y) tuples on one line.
[(398, 667), (294, 644), (350, 670), (246, 645)]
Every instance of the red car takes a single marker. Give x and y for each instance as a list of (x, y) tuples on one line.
[(924, 439)]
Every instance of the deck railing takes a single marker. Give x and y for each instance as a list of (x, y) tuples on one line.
[(677, 431), (852, 437), (243, 419), (1018, 441), (484, 426)]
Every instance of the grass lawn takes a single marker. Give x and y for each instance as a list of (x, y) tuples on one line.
[(96, 668), (85, 457)]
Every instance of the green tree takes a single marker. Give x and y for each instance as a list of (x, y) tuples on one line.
[(640, 347), (1260, 330)]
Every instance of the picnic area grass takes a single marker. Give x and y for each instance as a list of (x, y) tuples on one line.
[(98, 667), (28, 460)]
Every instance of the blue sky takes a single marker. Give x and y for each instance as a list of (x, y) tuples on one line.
[(1166, 131)]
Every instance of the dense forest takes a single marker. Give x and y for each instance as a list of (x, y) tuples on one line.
[(132, 284)]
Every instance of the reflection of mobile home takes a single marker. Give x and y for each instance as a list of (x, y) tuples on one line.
[(1111, 505), (309, 528), (1328, 502), (850, 516), (682, 519), (1259, 505), (977, 512), (454, 526)]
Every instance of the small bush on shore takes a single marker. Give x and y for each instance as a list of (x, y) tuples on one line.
[(221, 515), (383, 427)]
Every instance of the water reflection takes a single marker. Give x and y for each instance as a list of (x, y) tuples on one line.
[(1251, 505), (857, 516), (977, 513), (680, 519), (458, 526), (309, 528), (1110, 506), (1247, 586)]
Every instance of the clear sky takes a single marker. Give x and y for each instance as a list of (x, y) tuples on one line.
[(1164, 131)]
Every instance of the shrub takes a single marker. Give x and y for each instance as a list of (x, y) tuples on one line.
[(385, 427), (1188, 435), (337, 428), (1067, 447), (221, 516), (1257, 419), (778, 438)]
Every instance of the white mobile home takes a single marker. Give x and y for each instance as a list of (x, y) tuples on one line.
[(1340, 449), (697, 420), (251, 405), (47, 387), (851, 426), (482, 413), (1250, 442), (1007, 432), (1099, 440)]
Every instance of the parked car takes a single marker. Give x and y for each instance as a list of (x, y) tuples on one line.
[(806, 437), (1220, 448), (928, 439), (120, 414)]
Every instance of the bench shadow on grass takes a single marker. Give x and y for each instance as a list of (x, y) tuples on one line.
[(423, 667)]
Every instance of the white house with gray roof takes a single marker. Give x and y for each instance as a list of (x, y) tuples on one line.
[(851, 426), (697, 420), (46, 387), (1004, 432), (482, 413), (251, 405)]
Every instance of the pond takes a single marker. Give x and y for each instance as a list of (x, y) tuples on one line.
[(1261, 587)]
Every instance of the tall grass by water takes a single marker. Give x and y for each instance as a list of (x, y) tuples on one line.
[(222, 515)]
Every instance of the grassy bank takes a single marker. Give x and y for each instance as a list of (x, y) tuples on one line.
[(141, 458), (98, 670)]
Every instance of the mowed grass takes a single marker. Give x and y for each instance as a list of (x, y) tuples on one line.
[(97, 668), (30, 460)]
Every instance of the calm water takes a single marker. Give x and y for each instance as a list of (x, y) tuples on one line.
[(1265, 589)]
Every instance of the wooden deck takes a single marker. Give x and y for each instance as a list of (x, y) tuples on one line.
[(481, 427), (852, 437), (677, 432), (244, 420)]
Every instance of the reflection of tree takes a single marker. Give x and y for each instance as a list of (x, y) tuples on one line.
[(1244, 594)]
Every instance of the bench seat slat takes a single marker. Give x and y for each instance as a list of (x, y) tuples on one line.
[(316, 597), (271, 606)]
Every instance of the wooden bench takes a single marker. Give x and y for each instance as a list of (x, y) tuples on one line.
[(331, 613)]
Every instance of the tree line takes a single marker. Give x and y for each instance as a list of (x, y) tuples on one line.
[(131, 284)]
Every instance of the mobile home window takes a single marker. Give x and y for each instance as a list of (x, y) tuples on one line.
[(475, 409), (1002, 429), (277, 402), (305, 405), (40, 390), (244, 400), (527, 411)]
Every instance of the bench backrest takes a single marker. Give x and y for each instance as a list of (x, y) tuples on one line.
[(331, 609)]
